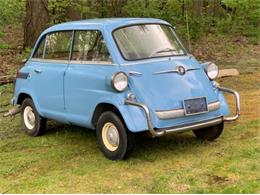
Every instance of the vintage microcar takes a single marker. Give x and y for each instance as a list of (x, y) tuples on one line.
[(120, 76)]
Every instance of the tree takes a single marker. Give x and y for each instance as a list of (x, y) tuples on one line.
[(36, 20)]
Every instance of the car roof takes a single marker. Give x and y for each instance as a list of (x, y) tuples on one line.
[(108, 23)]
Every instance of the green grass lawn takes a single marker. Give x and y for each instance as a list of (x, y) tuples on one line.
[(67, 158)]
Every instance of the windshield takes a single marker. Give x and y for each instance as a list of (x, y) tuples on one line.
[(148, 41)]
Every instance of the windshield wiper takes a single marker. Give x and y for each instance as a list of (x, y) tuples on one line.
[(166, 50)]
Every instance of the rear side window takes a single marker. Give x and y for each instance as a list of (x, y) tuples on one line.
[(90, 46), (57, 46)]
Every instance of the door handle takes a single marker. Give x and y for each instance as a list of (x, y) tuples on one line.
[(38, 71)]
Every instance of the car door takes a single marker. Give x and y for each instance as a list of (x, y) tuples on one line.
[(86, 76), (49, 64)]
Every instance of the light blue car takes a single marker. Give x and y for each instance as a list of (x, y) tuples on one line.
[(120, 76)]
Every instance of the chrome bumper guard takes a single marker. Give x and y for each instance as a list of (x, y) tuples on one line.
[(236, 95), (160, 132)]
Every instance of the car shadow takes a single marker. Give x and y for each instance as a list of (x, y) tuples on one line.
[(146, 148)]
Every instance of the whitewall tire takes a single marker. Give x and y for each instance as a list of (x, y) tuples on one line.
[(115, 140), (33, 123)]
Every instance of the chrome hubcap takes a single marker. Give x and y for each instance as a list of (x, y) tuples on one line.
[(110, 136), (29, 117)]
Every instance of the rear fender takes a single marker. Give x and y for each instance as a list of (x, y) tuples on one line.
[(32, 96)]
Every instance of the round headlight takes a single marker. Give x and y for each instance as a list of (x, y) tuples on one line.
[(212, 70), (119, 81)]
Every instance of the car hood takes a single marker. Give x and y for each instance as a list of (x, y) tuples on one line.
[(157, 84)]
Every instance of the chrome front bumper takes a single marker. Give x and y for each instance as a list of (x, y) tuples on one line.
[(159, 132)]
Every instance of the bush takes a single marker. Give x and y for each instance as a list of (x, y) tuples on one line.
[(243, 18)]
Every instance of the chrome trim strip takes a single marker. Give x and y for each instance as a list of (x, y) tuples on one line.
[(174, 71), (189, 69), (134, 73), (170, 114), (49, 61), (193, 126), (236, 95), (214, 106), (166, 71), (160, 132), (91, 62), (105, 63), (161, 59)]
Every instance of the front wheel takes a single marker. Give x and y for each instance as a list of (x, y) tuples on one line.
[(114, 139), (209, 133)]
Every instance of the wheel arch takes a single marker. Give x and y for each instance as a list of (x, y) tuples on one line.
[(103, 107), (25, 94), (22, 97)]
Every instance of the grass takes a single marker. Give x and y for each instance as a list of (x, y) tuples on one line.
[(67, 158)]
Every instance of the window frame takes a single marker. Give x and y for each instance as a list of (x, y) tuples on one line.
[(53, 60), (147, 58), (69, 61)]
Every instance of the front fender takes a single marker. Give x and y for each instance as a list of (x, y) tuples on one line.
[(133, 117), (224, 109)]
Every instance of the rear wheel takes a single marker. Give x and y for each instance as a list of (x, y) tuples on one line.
[(209, 133), (33, 123), (114, 139)]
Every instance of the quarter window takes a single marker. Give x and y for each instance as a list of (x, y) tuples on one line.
[(90, 46), (58, 45), (40, 49)]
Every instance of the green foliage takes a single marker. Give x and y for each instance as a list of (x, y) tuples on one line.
[(61, 10), (57, 10), (11, 11), (221, 16), (238, 17), (3, 45)]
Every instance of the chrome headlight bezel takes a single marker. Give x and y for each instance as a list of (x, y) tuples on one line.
[(211, 70), (119, 81)]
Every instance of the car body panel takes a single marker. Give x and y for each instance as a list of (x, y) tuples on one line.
[(85, 87), (72, 91)]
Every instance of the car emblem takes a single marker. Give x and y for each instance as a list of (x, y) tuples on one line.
[(181, 70)]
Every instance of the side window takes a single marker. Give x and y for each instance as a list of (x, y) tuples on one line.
[(40, 49), (90, 46), (58, 45)]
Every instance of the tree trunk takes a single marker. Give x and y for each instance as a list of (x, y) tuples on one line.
[(197, 7), (213, 8), (36, 20)]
